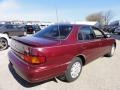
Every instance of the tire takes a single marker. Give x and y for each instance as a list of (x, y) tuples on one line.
[(3, 44), (112, 51), (73, 71)]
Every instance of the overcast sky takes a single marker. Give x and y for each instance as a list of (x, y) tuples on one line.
[(45, 10)]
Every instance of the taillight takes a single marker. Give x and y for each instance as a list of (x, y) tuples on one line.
[(29, 56), (34, 59)]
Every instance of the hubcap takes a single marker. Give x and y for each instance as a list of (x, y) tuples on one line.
[(75, 70), (3, 44)]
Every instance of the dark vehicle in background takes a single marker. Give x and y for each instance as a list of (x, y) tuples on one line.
[(113, 27), (1, 25), (109, 28), (36, 28), (12, 30), (106, 28), (31, 29), (116, 27), (58, 51)]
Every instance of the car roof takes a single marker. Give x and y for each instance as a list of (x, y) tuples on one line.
[(93, 26), (71, 24), (75, 24)]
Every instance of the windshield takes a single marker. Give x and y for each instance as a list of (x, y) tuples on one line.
[(55, 32)]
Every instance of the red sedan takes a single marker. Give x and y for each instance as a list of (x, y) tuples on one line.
[(58, 51)]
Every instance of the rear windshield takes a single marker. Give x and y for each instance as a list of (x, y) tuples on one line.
[(55, 32)]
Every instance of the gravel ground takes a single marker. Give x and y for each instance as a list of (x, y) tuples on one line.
[(102, 74)]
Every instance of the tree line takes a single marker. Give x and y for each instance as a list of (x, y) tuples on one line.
[(103, 18)]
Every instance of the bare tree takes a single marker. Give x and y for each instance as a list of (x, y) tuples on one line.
[(108, 17), (102, 17)]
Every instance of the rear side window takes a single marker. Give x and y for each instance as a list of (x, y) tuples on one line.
[(55, 32), (85, 33)]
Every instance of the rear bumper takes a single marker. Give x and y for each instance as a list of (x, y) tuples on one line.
[(33, 73)]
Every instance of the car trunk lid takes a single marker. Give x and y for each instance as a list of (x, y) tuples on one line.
[(20, 44)]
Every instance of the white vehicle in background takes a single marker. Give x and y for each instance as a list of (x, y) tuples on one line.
[(4, 41)]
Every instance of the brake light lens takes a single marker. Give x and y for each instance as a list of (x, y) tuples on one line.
[(29, 57), (34, 59)]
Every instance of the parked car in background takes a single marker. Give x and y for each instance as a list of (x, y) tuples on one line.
[(108, 28), (105, 28), (36, 28), (31, 29), (59, 50), (113, 27), (117, 27), (117, 30), (12, 30)]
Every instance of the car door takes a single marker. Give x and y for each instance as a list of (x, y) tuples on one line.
[(89, 45), (17, 30), (105, 43)]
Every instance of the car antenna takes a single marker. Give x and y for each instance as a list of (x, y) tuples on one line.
[(58, 24)]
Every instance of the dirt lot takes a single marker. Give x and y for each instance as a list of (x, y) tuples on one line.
[(102, 74)]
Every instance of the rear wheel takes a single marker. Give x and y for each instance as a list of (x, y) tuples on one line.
[(3, 44), (73, 71)]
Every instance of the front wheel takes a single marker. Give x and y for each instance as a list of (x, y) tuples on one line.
[(73, 70), (112, 51)]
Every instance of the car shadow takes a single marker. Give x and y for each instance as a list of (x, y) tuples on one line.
[(25, 83), (116, 36)]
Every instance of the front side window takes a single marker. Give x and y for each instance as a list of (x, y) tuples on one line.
[(85, 33), (98, 33), (55, 32)]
